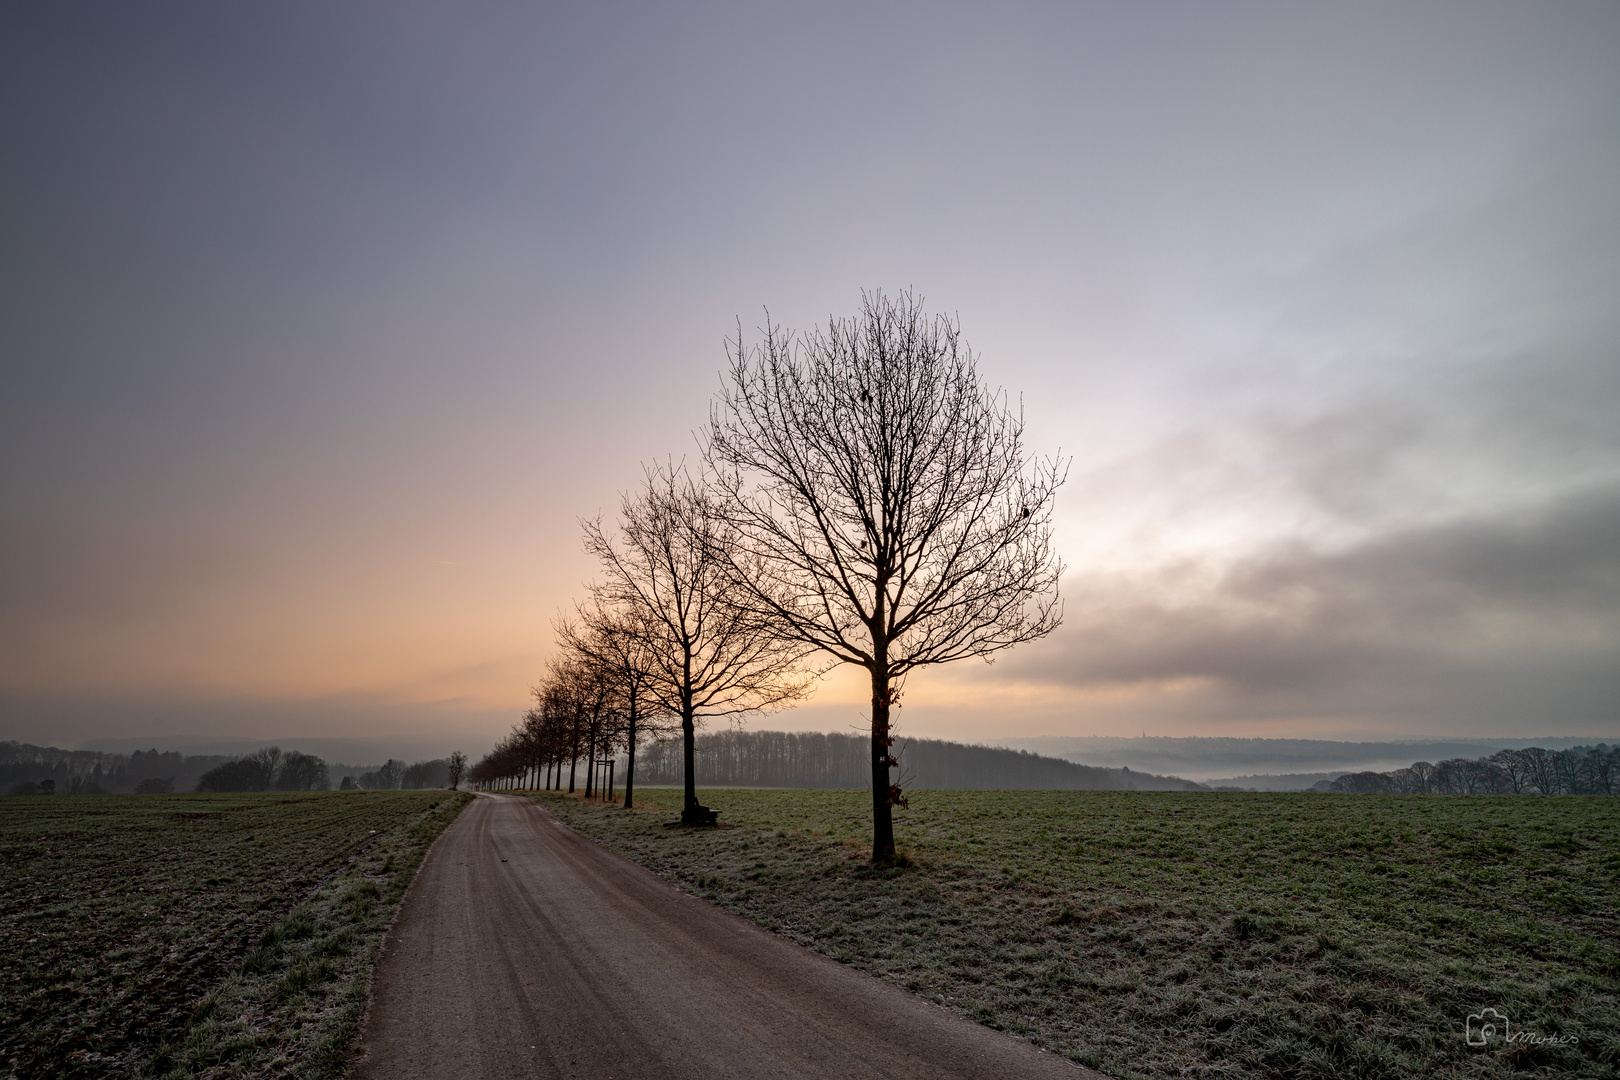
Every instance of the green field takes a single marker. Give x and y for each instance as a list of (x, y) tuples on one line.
[(1193, 934), (197, 935)]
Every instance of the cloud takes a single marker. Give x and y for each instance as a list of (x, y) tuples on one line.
[(307, 379), (1396, 503), (1481, 618)]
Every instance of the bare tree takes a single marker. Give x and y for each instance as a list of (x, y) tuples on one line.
[(1540, 766), (1363, 783), (1404, 781), (619, 640), (257, 771), (885, 512), (498, 767), (539, 734), (587, 685), (1513, 769), (458, 768), (1600, 769), (562, 717), (666, 571), (549, 729), (1569, 772), (302, 772), (387, 776), (1468, 777)]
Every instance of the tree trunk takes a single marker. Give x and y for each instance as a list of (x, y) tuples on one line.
[(688, 729), (882, 810), (573, 766), (630, 765), (590, 762)]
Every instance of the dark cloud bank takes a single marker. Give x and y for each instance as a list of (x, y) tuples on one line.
[(1490, 625)]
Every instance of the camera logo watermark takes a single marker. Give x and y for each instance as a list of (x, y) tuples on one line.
[(1490, 1027), (1486, 1026)]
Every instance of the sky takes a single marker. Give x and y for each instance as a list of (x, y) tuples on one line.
[(323, 325)]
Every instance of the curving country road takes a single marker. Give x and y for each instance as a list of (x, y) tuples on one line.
[(523, 949)]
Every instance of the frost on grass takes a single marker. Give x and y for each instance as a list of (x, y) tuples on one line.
[(1162, 934), (198, 936)]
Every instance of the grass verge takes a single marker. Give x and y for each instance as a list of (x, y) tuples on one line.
[(198, 935), (1159, 934)]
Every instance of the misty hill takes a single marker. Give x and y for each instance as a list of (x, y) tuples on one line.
[(815, 760), (1207, 759), (1316, 781)]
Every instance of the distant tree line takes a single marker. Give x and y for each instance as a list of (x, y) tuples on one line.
[(45, 770), (1580, 770), (268, 769), (815, 760), (546, 755), (394, 775), (587, 709), (27, 769)]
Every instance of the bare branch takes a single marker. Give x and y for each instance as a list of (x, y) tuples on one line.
[(666, 594), (878, 502)]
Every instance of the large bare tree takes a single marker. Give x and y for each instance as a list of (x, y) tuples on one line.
[(665, 569), (882, 506)]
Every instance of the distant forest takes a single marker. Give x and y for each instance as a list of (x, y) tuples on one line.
[(814, 760), (35, 770), (1580, 770)]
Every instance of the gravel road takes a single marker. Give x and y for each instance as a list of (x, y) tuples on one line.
[(525, 950)]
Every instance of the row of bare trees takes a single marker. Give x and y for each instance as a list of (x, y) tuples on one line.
[(587, 707), (1581, 770), (862, 497)]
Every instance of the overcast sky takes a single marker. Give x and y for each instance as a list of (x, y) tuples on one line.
[(322, 324)]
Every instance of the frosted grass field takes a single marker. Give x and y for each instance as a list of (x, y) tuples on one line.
[(1164, 934)]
